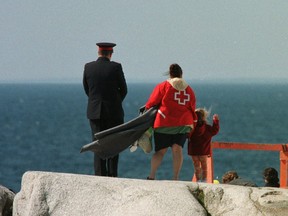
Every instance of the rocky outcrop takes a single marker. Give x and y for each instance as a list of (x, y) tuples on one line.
[(6, 201), (239, 200), (44, 193)]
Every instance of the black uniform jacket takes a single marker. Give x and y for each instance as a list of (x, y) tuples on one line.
[(106, 88)]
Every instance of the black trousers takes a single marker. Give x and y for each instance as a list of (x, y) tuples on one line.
[(105, 167)]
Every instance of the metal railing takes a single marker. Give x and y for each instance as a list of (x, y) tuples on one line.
[(281, 148)]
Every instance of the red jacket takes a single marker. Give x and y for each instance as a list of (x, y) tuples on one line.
[(200, 139), (176, 101)]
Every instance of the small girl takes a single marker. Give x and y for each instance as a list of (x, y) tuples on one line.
[(199, 145), (270, 176)]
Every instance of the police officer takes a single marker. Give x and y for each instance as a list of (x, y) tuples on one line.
[(105, 85)]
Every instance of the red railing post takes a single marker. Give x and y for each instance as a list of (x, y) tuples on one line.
[(210, 166), (284, 169)]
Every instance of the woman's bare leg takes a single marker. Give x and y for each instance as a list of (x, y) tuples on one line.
[(156, 161), (177, 160)]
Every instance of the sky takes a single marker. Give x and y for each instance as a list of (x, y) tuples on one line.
[(51, 40)]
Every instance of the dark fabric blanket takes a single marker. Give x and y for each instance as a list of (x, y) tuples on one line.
[(114, 140)]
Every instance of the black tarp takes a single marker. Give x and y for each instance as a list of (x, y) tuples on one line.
[(114, 140)]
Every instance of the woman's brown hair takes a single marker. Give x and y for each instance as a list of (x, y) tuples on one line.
[(175, 71)]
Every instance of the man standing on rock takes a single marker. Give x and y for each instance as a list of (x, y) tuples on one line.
[(105, 85)]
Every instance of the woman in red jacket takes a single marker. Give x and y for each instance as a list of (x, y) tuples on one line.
[(199, 145), (174, 120)]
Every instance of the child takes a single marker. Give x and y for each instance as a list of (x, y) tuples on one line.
[(270, 176), (231, 177), (199, 144)]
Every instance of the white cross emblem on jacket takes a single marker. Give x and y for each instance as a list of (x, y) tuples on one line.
[(182, 97)]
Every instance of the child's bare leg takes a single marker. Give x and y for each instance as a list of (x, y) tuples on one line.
[(203, 161), (197, 167)]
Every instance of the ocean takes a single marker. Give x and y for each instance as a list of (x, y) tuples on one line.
[(44, 126)]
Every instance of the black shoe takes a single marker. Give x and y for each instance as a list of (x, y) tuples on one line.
[(148, 178)]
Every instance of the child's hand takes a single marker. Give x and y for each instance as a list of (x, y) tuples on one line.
[(215, 117)]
